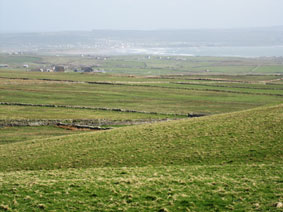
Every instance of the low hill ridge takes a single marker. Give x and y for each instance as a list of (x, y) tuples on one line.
[(241, 137)]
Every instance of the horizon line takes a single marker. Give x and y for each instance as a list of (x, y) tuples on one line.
[(140, 30)]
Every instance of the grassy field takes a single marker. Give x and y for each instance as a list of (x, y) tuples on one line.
[(8, 112), (171, 188), (106, 77), (21, 134), (230, 160), (218, 163), (248, 82), (240, 137), (141, 98), (141, 65), (18, 59)]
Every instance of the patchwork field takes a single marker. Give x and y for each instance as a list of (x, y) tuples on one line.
[(132, 139), (180, 99)]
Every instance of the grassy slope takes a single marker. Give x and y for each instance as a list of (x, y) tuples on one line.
[(218, 163), (241, 137)]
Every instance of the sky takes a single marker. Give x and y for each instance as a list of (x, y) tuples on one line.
[(64, 15)]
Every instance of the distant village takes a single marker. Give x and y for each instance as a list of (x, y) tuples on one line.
[(59, 68), (79, 69)]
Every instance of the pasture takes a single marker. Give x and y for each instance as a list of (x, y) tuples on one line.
[(157, 154)]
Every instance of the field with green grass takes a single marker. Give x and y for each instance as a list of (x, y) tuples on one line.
[(155, 65), (10, 112), (166, 188), (122, 140), (223, 162), (20, 134), (161, 99), (254, 136)]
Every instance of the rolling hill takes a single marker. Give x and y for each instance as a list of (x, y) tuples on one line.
[(241, 137), (223, 162)]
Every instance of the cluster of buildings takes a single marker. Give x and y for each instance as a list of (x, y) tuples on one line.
[(53, 69), (85, 69)]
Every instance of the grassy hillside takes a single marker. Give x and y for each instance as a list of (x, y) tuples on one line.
[(224, 162), (236, 138), (219, 163)]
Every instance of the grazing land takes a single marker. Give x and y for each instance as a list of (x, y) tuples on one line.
[(166, 188), (180, 99), (255, 136), (8, 112), (155, 152), (20, 134), (222, 162), (152, 65)]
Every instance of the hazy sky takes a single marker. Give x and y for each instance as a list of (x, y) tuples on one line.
[(58, 15)]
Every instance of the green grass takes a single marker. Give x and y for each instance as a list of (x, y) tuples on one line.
[(93, 77), (172, 188), (217, 163), (242, 138), (139, 65), (225, 88), (179, 65), (270, 69), (249, 85), (21, 134), (230, 161), (8, 112), (157, 99), (69, 76), (18, 59)]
